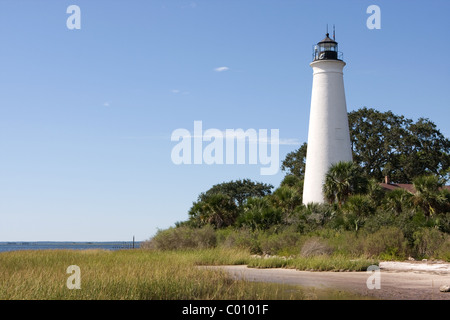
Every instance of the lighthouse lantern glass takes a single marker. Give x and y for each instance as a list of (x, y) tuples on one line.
[(327, 49)]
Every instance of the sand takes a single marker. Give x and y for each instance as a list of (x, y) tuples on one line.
[(411, 280)]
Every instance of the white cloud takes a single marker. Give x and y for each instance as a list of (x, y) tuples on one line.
[(106, 104), (175, 91), (221, 69)]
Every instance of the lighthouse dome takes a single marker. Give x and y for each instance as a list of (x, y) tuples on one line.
[(327, 49)]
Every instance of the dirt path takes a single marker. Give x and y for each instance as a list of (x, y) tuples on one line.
[(398, 280)]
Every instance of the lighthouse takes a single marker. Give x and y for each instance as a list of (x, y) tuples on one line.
[(328, 133)]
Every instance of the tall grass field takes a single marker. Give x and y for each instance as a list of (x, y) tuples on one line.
[(138, 275)]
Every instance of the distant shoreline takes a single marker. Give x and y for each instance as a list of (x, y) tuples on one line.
[(6, 246)]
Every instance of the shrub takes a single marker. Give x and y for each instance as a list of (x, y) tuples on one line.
[(315, 247), (348, 243), (427, 242), (315, 216), (356, 210), (242, 238), (443, 252), (183, 237), (444, 222), (284, 242), (379, 220), (387, 243), (260, 214)]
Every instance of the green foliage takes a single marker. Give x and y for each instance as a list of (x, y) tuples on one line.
[(295, 162), (387, 243), (182, 238), (242, 238), (429, 242), (221, 205), (238, 191), (293, 181), (342, 180), (259, 213), (375, 192), (387, 144), (287, 199), (285, 242), (397, 201), (315, 216), (360, 219), (428, 195), (315, 263), (218, 210), (443, 222), (356, 210)]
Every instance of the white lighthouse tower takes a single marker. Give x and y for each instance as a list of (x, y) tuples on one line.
[(328, 135)]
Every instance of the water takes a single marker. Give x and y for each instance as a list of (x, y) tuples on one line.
[(48, 245)]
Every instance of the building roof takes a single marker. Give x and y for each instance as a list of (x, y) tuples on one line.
[(408, 187), (327, 39)]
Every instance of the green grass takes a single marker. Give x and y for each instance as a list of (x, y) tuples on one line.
[(138, 275), (315, 263)]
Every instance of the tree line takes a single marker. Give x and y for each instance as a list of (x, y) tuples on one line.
[(383, 144), (355, 201)]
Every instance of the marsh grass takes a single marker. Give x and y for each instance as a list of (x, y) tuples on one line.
[(314, 263), (137, 275)]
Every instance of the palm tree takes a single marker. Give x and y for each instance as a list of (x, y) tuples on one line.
[(259, 213), (429, 195), (342, 180), (287, 199), (398, 200), (375, 192), (357, 208)]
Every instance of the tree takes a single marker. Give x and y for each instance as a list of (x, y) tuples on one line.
[(398, 201), (238, 191), (342, 180), (386, 144), (295, 162), (293, 181), (375, 192), (217, 210), (356, 209), (376, 139), (428, 152), (286, 199), (259, 213), (221, 205), (429, 195)]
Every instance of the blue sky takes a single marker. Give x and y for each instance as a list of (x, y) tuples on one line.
[(86, 115)]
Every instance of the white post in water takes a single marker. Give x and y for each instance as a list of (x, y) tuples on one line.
[(328, 135)]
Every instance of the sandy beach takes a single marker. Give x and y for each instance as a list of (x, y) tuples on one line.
[(415, 280)]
